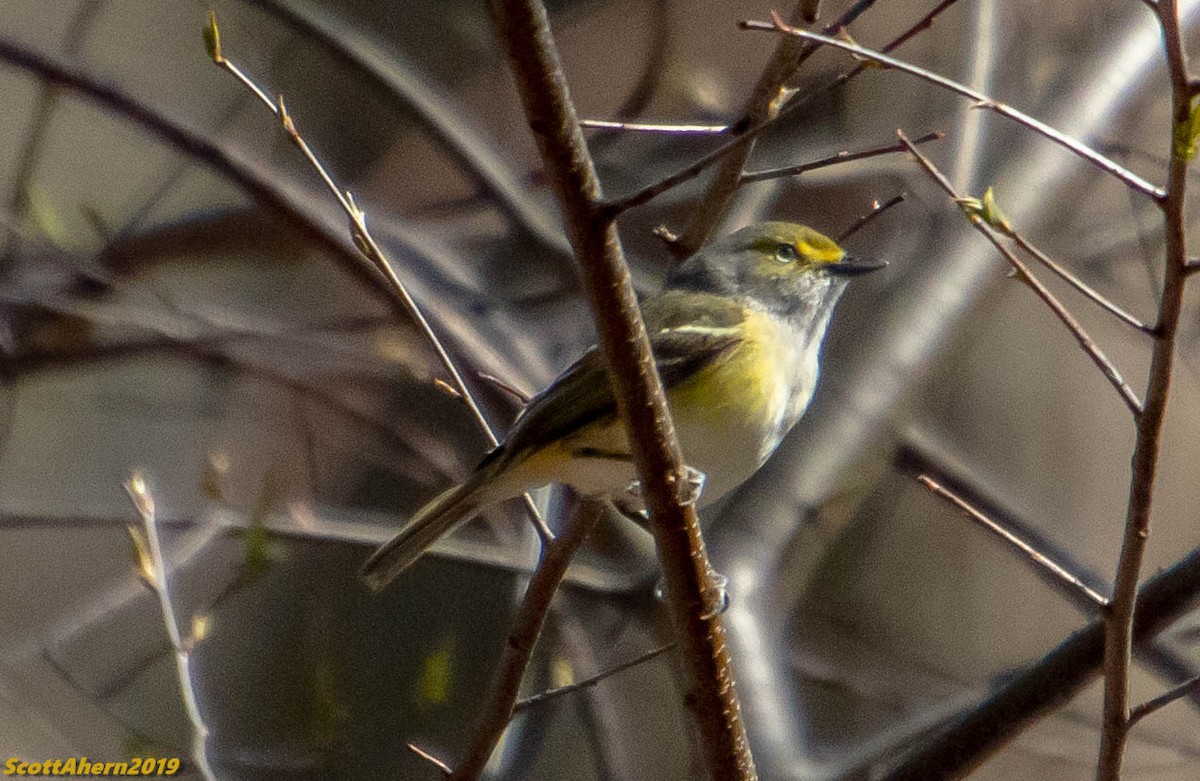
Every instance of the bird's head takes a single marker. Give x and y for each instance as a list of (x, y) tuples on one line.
[(781, 267)]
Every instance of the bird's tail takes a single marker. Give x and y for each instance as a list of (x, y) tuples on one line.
[(425, 528)]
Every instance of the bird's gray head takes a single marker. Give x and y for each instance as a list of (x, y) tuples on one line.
[(786, 269)]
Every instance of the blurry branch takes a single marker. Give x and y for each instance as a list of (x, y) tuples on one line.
[(1130, 179), (1039, 559), (1047, 685), (844, 156), (255, 181), (1120, 624), (366, 244), (767, 97), (553, 694), (1185, 689), (748, 134), (524, 32), (31, 154), (877, 209), (436, 112), (153, 567), (498, 708), (983, 215)]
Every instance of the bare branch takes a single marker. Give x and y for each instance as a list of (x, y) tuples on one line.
[(844, 156), (447, 126), (543, 697), (1185, 689), (1082, 337), (877, 209), (662, 129), (1034, 555), (366, 244), (524, 31), (766, 100), (1118, 638), (1130, 179), (1087, 290), (153, 565), (691, 171), (1049, 684), (431, 759)]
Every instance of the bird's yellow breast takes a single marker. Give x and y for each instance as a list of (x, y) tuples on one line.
[(729, 417)]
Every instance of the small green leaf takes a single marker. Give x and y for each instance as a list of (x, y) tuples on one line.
[(986, 209), (212, 38), (437, 674), (46, 217)]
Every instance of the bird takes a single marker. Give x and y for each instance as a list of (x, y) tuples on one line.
[(736, 332)]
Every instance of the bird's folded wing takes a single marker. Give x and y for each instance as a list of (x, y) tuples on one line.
[(687, 334)]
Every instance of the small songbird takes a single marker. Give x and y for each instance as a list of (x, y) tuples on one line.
[(736, 334)]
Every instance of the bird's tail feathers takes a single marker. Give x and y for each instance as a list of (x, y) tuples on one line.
[(431, 522)]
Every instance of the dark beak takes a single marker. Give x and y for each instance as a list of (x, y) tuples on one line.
[(851, 266)]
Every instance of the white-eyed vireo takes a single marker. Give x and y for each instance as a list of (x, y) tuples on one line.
[(736, 333)]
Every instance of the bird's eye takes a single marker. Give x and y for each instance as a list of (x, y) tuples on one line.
[(786, 253)]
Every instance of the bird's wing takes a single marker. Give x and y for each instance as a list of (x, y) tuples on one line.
[(687, 333)]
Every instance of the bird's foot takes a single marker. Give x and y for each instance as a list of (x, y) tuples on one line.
[(692, 486), (716, 594)]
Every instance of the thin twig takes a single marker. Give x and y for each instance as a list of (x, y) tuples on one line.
[(159, 580), (497, 710), (1041, 560), (519, 395), (431, 759), (1130, 179), (844, 156), (551, 694), (1085, 341), (1087, 290), (524, 30), (877, 209), (366, 244), (661, 129), (1187, 688), (1118, 638)]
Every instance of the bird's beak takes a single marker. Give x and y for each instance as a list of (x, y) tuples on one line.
[(850, 266)]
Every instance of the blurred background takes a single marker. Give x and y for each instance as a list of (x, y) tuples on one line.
[(181, 298)]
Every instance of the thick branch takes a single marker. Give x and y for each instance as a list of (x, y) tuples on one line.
[(1048, 685), (1118, 652), (525, 35)]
